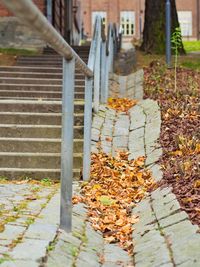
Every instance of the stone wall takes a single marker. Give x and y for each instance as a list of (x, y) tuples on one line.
[(130, 86), (15, 34)]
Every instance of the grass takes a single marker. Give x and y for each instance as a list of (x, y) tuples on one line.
[(18, 52), (46, 182), (185, 61), (4, 258), (191, 46), (8, 55), (191, 65)]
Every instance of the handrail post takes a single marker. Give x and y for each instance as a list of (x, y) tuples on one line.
[(106, 66), (168, 32), (111, 52), (97, 69), (89, 84), (87, 128), (107, 72), (103, 73), (67, 145)]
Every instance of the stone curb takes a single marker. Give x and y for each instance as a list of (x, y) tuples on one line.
[(164, 231)]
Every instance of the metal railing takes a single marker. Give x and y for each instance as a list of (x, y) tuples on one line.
[(96, 73)]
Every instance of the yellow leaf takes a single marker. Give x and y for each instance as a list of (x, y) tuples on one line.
[(197, 184), (177, 153), (187, 165), (106, 201)]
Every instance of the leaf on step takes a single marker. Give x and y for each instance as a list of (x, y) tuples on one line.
[(121, 104)]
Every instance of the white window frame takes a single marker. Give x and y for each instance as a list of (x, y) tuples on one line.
[(185, 21), (127, 22)]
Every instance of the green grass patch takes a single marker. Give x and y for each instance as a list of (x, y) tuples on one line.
[(29, 221), (46, 182), (4, 258), (18, 52), (191, 65), (191, 46)]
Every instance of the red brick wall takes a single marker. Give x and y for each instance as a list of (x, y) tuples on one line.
[(6, 13), (113, 8)]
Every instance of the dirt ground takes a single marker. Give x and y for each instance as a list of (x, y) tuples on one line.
[(7, 60)]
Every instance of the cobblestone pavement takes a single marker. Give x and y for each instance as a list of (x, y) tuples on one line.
[(164, 236), (32, 237), (29, 218), (136, 132)]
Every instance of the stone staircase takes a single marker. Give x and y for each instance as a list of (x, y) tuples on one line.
[(30, 116)]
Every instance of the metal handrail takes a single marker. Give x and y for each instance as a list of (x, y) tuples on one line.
[(29, 13), (108, 39), (88, 103), (93, 47), (96, 80)]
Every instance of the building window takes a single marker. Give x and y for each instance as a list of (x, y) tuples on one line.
[(185, 20), (102, 14), (128, 22)]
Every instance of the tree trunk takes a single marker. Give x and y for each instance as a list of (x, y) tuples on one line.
[(154, 26)]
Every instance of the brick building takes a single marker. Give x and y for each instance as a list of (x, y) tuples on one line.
[(69, 16), (63, 14), (130, 15), (189, 18)]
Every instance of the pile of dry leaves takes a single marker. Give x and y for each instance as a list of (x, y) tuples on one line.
[(116, 185), (121, 104), (180, 134)]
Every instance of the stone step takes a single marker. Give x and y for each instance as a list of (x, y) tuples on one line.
[(30, 69), (38, 174), (39, 60), (38, 75), (43, 69), (37, 81), (48, 57), (28, 98), (40, 106), (42, 63), (30, 117), (51, 56), (35, 160), (42, 56), (36, 145), (37, 64), (37, 118), (36, 131), (50, 95), (80, 47), (37, 87)]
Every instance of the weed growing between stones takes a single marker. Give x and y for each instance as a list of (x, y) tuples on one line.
[(176, 41), (20, 208), (5, 257)]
